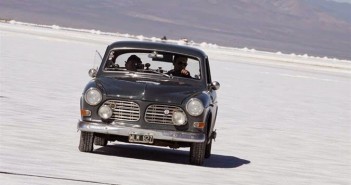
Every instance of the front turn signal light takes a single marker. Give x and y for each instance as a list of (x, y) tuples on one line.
[(85, 112), (199, 125)]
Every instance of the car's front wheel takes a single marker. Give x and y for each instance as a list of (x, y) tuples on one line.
[(197, 153), (208, 149), (86, 141)]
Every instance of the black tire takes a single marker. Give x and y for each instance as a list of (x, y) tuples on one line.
[(208, 150), (100, 141), (197, 153), (86, 141)]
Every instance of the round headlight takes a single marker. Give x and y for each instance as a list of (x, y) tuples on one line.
[(93, 96), (178, 118), (194, 107), (105, 112)]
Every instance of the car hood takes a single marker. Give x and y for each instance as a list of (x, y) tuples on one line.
[(166, 91)]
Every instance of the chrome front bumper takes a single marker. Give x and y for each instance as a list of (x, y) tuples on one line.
[(124, 130)]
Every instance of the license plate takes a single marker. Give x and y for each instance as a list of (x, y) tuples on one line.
[(141, 138)]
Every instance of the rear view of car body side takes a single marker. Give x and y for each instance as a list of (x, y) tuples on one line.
[(148, 105)]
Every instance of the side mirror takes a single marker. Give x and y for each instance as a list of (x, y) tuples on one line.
[(92, 72), (215, 85)]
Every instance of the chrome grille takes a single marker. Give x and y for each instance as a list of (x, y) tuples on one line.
[(160, 114), (124, 110)]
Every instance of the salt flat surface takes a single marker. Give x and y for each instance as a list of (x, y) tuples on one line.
[(277, 124)]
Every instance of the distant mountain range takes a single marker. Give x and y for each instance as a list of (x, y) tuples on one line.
[(316, 27)]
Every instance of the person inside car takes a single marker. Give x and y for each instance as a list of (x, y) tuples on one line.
[(133, 63), (179, 63), (111, 61)]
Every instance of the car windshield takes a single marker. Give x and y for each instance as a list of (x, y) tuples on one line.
[(153, 62)]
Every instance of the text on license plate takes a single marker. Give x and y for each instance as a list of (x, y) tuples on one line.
[(141, 138)]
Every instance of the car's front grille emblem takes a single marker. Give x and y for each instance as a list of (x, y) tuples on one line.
[(166, 112)]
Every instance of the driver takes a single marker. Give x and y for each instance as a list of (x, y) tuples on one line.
[(133, 63), (180, 63)]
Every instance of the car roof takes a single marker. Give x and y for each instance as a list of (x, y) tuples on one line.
[(162, 46)]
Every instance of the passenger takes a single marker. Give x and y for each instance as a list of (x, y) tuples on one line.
[(111, 61), (133, 63), (180, 63)]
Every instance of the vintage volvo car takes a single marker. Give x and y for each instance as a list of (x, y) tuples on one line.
[(148, 102)]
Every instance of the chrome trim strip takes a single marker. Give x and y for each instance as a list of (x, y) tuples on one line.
[(120, 130)]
